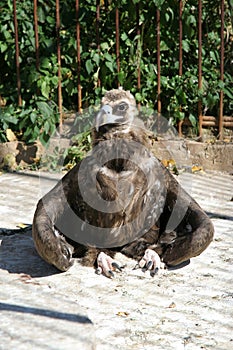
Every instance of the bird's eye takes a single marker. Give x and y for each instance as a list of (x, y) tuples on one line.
[(122, 107)]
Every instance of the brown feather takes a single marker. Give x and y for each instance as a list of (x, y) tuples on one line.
[(134, 174)]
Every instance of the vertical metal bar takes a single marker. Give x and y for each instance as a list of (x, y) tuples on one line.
[(139, 56), (36, 34), (78, 56), (117, 45), (158, 62), (180, 55), (180, 38), (98, 32), (200, 117), (17, 54), (221, 72), (58, 26)]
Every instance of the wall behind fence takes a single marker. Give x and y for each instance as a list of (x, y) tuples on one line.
[(175, 57)]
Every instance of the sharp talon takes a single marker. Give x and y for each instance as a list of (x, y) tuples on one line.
[(116, 266), (150, 261), (98, 271), (111, 274), (106, 265), (154, 272), (148, 265)]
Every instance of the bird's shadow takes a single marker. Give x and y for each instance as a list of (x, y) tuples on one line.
[(48, 313), (18, 255)]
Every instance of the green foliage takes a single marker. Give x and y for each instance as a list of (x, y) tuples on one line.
[(37, 121), (38, 116), (75, 153)]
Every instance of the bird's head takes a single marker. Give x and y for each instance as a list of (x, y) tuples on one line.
[(118, 107)]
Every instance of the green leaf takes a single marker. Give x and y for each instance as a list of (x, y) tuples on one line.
[(163, 46), (22, 123), (138, 97), (96, 58), (41, 14), (89, 66), (46, 127), (44, 108), (45, 63), (221, 84), (27, 132), (180, 115), (9, 118), (3, 47), (36, 131), (185, 45), (108, 57), (228, 92), (52, 129), (167, 17), (33, 117), (191, 19), (54, 80), (121, 77), (104, 46), (110, 66), (124, 36), (44, 138), (158, 3), (215, 56), (45, 89), (192, 119), (50, 20)]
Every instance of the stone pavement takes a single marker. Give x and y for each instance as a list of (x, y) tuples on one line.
[(189, 308)]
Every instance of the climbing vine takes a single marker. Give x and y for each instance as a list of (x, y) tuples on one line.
[(38, 116)]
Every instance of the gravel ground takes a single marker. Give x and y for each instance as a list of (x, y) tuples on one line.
[(190, 308)]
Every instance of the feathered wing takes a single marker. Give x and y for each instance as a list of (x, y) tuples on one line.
[(182, 231), (188, 225), (50, 244)]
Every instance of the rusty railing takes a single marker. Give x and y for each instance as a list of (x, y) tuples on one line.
[(204, 121)]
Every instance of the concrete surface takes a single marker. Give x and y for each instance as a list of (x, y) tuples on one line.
[(189, 308)]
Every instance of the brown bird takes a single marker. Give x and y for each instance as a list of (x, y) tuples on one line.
[(120, 198)]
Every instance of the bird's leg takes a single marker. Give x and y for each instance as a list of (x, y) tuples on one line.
[(106, 265), (150, 261)]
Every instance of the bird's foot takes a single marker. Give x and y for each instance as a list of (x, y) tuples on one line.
[(106, 265), (150, 261)]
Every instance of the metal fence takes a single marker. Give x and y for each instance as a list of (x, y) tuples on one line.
[(219, 121)]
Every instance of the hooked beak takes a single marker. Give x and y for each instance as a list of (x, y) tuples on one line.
[(105, 116)]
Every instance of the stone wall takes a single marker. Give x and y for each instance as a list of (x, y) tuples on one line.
[(186, 153)]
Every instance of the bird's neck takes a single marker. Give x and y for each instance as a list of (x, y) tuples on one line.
[(127, 132), (119, 148)]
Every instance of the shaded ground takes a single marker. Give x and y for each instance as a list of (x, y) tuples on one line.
[(189, 308)]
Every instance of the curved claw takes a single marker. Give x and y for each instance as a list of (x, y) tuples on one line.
[(150, 261), (154, 272), (116, 266), (148, 265), (110, 273), (106, 265)]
